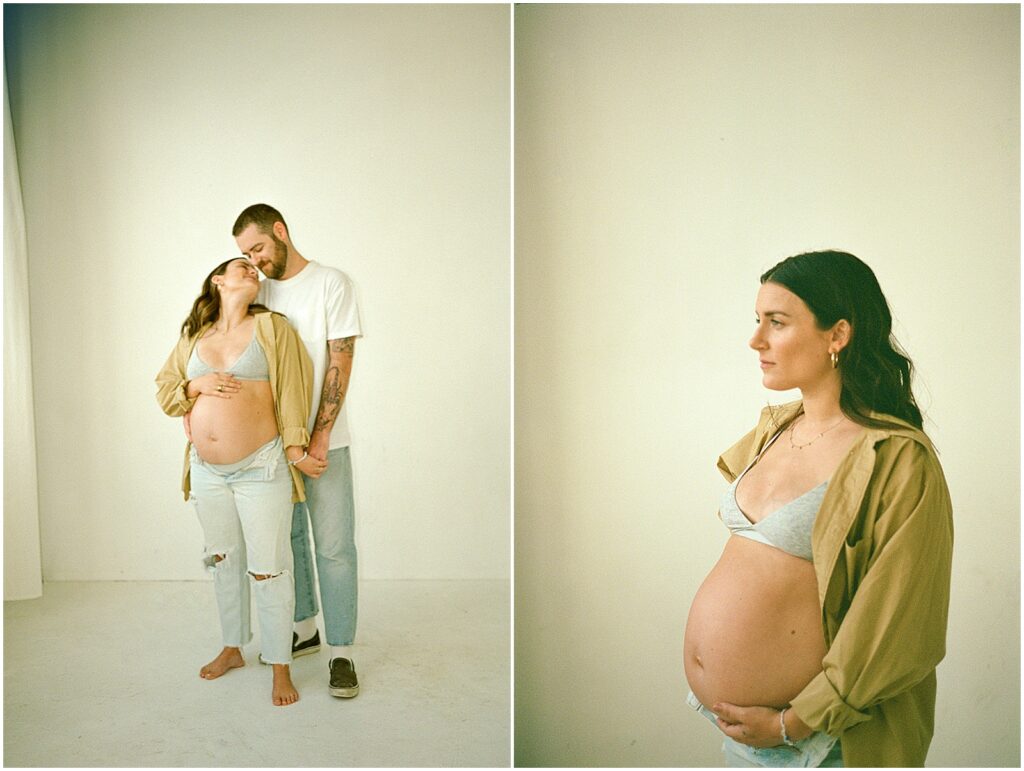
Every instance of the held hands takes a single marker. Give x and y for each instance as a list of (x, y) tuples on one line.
[(319, 443), (757, 726), (219, 384), (314, 457), (310, 466)]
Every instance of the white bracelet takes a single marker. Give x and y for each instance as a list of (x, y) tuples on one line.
[(297, 462), (782, 724)]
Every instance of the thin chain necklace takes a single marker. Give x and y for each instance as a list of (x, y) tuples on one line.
[(792, 431)]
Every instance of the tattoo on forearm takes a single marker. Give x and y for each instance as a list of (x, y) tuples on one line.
[(344, 345), (330, 400), (335, 382)]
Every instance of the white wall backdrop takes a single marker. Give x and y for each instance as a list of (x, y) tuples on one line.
[(382, 134), (665, 157)]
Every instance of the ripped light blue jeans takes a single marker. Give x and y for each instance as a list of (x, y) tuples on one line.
[(816, 751), (245, 510)]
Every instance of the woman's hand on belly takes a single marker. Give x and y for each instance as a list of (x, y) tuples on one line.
[(219, 384), (758, 726)]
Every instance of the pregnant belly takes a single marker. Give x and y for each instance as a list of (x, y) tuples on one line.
[(227, 430), (754, 636)]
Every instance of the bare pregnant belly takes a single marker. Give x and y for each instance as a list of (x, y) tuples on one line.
[(227, 430), (754, 636)]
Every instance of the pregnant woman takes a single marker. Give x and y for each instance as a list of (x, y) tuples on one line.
[(242, 376), (814, 639)]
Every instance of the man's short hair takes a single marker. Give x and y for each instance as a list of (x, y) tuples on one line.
[(262, 215)]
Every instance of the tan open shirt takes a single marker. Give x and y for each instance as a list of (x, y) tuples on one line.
[(882, 545), (291, 385)]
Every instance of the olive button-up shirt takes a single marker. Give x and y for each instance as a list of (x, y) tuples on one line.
[(882, 545)]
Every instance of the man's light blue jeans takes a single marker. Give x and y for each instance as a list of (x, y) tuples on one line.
[(244, 509), (330, 509)]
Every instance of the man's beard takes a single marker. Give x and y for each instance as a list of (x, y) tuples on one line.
[(277, 266)]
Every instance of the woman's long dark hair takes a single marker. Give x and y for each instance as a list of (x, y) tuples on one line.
[(206, 308), (875, 371)]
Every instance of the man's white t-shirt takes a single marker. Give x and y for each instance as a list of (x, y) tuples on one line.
[(320, 302)]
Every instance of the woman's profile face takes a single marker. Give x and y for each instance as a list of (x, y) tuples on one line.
[(793, 352), (240, 274)]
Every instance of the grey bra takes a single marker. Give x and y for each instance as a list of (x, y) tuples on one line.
[(251, 365), (787, 528)]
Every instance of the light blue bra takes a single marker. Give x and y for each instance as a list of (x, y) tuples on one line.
[(251, 365), (787, 528)]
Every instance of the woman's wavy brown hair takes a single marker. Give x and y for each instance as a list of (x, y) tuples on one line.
[(206, 308)]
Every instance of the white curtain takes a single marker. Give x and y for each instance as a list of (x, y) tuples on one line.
[(23, 578)]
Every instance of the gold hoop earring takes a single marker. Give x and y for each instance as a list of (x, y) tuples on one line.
[(834, 356)]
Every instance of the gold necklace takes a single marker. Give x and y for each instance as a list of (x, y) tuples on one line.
[(792, 432)]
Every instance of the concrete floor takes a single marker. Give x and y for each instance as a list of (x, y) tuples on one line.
[(106, 674)]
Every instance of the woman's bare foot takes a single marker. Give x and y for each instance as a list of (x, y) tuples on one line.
[(284, 692), (229, 658)]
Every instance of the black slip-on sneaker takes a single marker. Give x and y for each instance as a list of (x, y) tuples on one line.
[(343, 683), (312, 645)]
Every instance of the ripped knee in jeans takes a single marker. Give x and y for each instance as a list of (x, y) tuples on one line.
[(265, 576), (213, 558)]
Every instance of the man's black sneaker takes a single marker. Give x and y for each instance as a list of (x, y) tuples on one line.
[(343, 683), (312, 645)]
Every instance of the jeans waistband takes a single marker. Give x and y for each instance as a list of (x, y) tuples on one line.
[(256, 458)]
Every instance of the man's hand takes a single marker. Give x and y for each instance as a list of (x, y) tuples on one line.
[(756, 726), (311, 467), (319, 444)]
